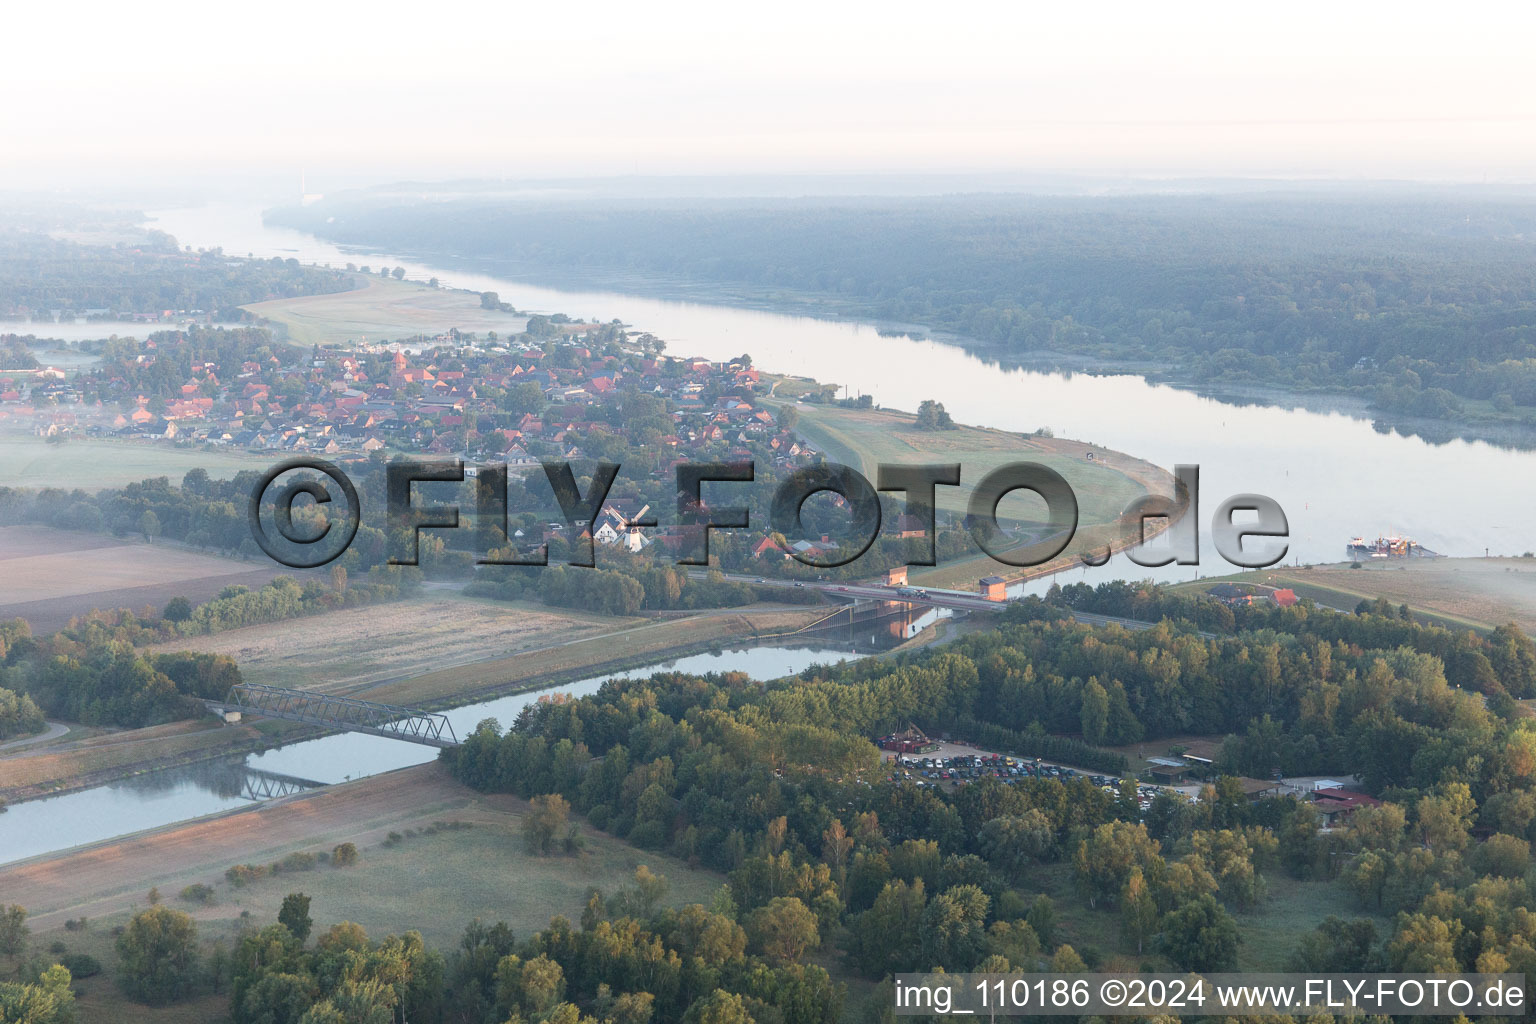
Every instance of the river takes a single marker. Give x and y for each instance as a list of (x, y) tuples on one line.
[(160, 798), (1335, 475)]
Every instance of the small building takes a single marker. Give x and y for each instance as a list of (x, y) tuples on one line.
[(896, 576), (1337, 806), (1284, 597), (994, 588), (1165, 771), (1258, 789)]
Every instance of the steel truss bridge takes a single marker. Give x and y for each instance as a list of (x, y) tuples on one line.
[(261, 785), (344, 713)]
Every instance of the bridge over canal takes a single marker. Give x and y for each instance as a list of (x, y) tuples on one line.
[(347, 714)]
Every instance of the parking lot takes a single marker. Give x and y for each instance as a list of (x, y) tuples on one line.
[(956, 764)]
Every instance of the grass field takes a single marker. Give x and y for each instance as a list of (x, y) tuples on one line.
[(865, 438), (381, 310), (1104, 485), (1465, 593), (92, 465)]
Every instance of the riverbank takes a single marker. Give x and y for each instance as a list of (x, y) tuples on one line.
[(1480, 419)]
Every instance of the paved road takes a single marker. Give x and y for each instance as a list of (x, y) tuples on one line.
[(54, 731)]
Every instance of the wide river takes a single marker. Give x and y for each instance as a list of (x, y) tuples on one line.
[(1335, 475)]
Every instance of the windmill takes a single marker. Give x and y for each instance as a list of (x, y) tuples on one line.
[(634, 540)]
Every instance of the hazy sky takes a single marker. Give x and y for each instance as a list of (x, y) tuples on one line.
[(365, 92)]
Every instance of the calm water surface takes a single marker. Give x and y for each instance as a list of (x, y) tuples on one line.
[(166, 797), (1335, 475)]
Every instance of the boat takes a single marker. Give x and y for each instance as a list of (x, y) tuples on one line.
[(1394, 546)]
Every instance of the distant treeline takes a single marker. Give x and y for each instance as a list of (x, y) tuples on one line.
[(1420, 301), (40, 273)]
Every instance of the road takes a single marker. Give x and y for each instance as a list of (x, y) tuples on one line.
[(54, 731)]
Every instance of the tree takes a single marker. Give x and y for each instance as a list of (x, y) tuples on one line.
[(882, 935), (177, 609), (1017, 842), (344, 856), (931, 416), (952, 935), (1445, 818), (149, 524), (1067, 960), (1104, 860), (1200, 936), (547, 817), (783, 930), (51, 1000), (157, 955), (542, 985), (1095, 716), (650, 890), (836, 844), (1336, 945), (719, 1007), (1042, 918), (295, 915), (13, 930), (1138, 910)]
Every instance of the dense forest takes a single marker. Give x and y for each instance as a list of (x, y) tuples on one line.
[(41, 275), (1421, 302), (764, 784)]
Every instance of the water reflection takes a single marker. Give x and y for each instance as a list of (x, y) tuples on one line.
[(1336, 475)]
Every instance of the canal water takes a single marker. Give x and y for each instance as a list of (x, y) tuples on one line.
[(160, 798)]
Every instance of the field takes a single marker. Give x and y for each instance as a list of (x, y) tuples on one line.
[(356, 649), (1105, 485), (381, 310), (53, 575), (865, 438), (442, 646), (93, 465), (435, 883), (1475, 593)]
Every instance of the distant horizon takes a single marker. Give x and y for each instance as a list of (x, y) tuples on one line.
[(274, 190)]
